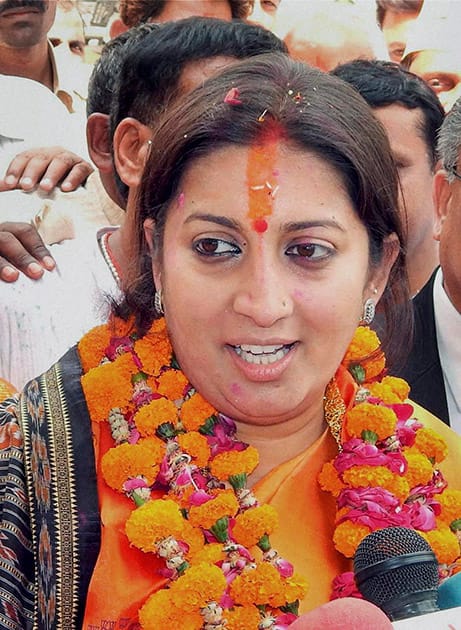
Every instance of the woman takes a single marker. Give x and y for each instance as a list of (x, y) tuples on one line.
[(265, 233)]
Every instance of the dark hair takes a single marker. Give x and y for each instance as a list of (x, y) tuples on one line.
[(133, 12), (314, 112), (104, 76), (383, 83), (151, 72), (398, 6)]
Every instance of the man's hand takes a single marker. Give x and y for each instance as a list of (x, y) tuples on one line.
[(22, 250), (45, 168)]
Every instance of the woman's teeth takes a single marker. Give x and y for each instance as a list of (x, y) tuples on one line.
[(262, 355)]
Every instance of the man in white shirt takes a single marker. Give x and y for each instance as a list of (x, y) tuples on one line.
[(434, 366)]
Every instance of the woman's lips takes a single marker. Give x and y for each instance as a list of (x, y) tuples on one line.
[(262, 362)]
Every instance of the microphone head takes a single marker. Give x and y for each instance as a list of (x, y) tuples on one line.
[(396, 569)]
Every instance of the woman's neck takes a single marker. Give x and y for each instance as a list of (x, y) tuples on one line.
[(281, 442)]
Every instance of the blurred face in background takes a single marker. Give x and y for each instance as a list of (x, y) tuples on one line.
[(395, 28), (264, 13), (441, 69), (25, 23)]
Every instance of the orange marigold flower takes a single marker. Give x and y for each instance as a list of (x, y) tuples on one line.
[(450, 500), (92, 346), (242, 618), (195, 411), (431, 444), (367, 417), (109, 386), (364, 350), (196, 445), (373, 476), (127, 461), (194, 537), (154, 521), (172, 384), (211, 554), (155, 352), (444, 543), (200, 584), (329, 479), (155, 413), (229, 463), (419, 470), (119, 327), (398, 385), (224, 504), (258, 586), (159, 612), (250, 526), (348, 536)]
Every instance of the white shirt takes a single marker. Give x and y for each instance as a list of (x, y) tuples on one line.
[(448, 329), (41, 319)]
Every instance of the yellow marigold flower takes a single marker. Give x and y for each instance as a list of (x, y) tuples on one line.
[(242, 618), (159, 612), (149, 417), (296, 587), (419, 471), (383, 392), (92, 346), (195, 411), (171, 384), (348, 536), (210, 554), (364, 350), (258, 586), (127, 461), (154, 521), (108, 386), (431, 444), (200, 584), (229, 463), (329, 479), (155, 352), (196, 445), (398, 385), (251, 525), (444, 543), (367, 417), (224, 504), (450, 500), (373, 476)]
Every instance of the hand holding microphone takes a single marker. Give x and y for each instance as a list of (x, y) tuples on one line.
[(347, 613)]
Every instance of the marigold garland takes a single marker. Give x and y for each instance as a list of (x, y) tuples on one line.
[(208, 525), (386, 474)]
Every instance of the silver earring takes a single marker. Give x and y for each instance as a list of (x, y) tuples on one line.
[(368, 312), (158, 304)]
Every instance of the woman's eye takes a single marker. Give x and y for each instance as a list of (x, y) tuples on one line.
[(215, 247), (309, 251)]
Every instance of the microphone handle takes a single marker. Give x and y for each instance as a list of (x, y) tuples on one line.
[(411, 605)]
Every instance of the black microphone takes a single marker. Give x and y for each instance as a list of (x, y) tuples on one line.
[(396, 569)]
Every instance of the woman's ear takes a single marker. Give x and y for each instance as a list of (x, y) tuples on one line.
[(380, 273), (99, 145), (149, 235), (131, 148)]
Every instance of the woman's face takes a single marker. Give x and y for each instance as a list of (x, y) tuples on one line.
[(264, 272)]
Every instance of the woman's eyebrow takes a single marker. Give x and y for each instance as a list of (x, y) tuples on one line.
[(296, 226), (213, 218)]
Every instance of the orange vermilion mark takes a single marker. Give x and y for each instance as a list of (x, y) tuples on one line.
[(262, 183)]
